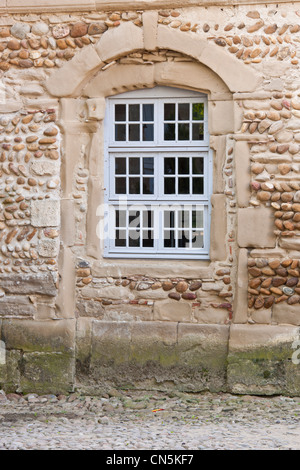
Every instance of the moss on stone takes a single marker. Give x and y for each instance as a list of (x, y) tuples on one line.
[(47, 373), (263, 371)]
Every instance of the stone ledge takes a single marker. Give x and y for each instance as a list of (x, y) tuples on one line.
[(154, 355), (39, 336), (259, 360)]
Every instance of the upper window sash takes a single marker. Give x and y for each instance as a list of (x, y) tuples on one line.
[(158, 122)]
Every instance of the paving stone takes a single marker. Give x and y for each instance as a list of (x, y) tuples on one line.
[(149, 421)]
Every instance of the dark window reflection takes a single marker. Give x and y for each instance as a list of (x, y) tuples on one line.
[(148, 112), (169, 112), (120, 132), (183, 185), (134, 132), (169, 166), (148, 166), (169, 186), (183, 111), (198, 186), (183, 166), (134, 166), (169, 132), (198, 132), (183, 132), (120, 166), (134, 186), (120, 112), (134, 112), (120, 185), (197, 166), (148, 185), (148, 132)]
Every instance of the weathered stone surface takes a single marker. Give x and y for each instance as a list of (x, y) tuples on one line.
[(16, 306), (60, 31), (255, 228), (97, 28), (48, 248), (42, 283), (47, 373), (257, 354), (79, 29), (168, 310), (45, 213), (290, 314), (112, 357), (39, 336), (20, 30), (182, 286)]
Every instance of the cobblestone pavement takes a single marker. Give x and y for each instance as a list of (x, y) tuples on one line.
[(125, 420)]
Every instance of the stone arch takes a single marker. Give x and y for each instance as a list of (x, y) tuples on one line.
[(128, 38), (189, 75)]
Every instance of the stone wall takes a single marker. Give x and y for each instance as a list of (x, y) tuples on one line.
[(70, 317)]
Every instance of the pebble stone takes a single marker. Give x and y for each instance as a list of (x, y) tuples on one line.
[(145, 420)]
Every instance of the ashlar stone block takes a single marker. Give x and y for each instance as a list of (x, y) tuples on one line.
[(256, 228), (45, 213), (172, 310)]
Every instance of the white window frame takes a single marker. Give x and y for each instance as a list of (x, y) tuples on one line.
[(157, 149)]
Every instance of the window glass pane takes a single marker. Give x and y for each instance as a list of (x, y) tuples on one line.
[(183, 166), (198, 186), (169, 219), (183, 219), (183, 112), (148, 132), (198, 111), (183, 185), (120, 185), (169, 239), (198, 165), (134, 166), (197, 219), (198, 132), (120, 166), (148, 166), (148, 112), (134, 186), (197, 239), (169, 111), (169, 186), (147, 219), (134, 112), (134, 132), (183, 132), (134, 228), (148, 185), (169, 132), (148, 241), (120, 132), (134, 238), (120, 112), (120, 238), (169, 166), (182, 240), (120, 218)]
